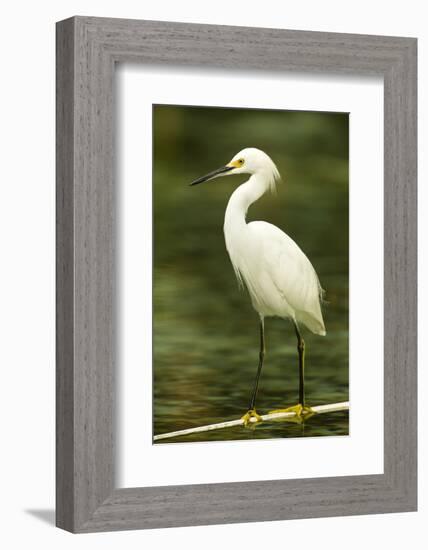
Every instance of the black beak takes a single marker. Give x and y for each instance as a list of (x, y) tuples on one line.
[(212, 174)]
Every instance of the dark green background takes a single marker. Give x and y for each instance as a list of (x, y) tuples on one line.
[(205, 330)]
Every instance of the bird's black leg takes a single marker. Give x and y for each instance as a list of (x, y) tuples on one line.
[(251, 413), (262, 353), (301, 350), (301, 410)]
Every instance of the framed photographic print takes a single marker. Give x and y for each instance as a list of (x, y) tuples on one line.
[(236, 274)]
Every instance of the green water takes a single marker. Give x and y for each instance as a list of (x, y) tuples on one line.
[(205, 330)]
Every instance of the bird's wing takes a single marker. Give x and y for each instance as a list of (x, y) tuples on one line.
[(289, 269)]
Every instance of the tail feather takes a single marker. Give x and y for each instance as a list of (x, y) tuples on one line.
[(314, 324)]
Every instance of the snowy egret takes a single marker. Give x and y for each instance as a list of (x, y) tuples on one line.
[(277, 274)]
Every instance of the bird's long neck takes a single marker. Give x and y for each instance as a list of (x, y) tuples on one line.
[(242, 198)]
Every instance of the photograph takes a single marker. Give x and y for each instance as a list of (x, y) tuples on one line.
[(250, 273), (210, 266), (211, 276)]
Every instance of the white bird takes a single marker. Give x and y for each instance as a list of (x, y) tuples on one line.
[(277, 274)]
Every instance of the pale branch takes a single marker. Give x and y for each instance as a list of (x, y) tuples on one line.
[(319, 409)]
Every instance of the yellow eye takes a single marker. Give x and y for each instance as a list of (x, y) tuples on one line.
[(236, 163)]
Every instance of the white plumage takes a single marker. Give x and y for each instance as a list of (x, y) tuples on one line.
[(278, 275)]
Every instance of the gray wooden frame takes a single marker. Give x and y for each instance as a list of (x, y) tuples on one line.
[(87, 50)]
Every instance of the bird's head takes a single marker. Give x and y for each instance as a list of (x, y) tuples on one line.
[(248, 161)]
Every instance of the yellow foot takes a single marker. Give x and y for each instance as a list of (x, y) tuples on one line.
[(302, 412), (249, 415)]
